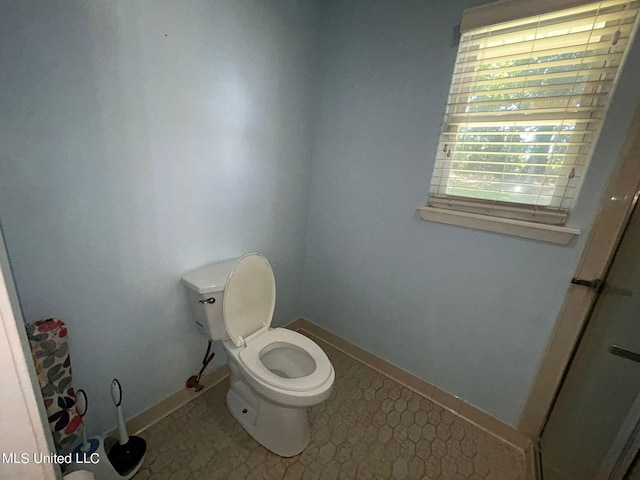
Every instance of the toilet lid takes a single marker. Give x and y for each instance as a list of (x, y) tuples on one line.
[(249, 297)]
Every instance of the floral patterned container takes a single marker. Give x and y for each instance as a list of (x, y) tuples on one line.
[(48, 341)]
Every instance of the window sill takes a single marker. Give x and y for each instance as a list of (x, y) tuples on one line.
[(518, 228)]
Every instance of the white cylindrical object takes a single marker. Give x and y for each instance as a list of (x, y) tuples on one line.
[(116, 396), (81, 408), (123, 436)]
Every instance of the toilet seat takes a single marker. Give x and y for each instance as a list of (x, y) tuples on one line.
[(249, 356)]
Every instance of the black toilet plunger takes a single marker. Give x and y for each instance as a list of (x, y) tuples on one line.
[(128, 452)]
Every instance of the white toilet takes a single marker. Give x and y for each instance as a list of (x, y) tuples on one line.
[(276, 374)]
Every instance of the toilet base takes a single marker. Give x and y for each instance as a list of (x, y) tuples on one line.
[(283, 430)]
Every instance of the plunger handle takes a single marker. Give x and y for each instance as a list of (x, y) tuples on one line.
[(116, 396), (81, 407)]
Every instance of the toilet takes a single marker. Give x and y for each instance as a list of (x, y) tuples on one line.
[(276, 373)]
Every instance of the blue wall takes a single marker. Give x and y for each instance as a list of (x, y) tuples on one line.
[(140, 140), (467, 310)]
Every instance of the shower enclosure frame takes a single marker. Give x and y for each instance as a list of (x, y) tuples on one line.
[(614, 211)]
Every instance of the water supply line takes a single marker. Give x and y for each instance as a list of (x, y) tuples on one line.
[(194, 380)]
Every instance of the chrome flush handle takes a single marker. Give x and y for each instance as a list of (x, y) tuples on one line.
[(210, 301)]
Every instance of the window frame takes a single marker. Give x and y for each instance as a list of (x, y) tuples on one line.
[(520, 219)]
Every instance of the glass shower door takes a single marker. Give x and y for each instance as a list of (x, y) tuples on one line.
[(598, 396)]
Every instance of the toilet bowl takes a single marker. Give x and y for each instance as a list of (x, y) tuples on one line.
[(285, 367), (276, 374)]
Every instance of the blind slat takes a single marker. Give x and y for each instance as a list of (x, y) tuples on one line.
[(514, 154), (562, 90), (518, 12), (584, 22), (545, 46), (503, 77), (517, 120), (505, 143), (586, 62), (510, 174), (577, 125), (573, 99), (507, 117), (598, 48)]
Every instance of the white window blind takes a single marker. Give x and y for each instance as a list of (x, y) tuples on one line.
[(525, 108)]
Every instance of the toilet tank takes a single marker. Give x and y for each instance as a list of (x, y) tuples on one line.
[(205, 292)]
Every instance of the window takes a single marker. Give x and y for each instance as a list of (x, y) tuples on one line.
[(526, 104)]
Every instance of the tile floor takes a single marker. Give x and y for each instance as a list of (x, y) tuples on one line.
[(370, 428)]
